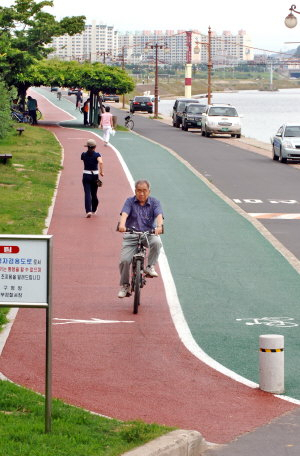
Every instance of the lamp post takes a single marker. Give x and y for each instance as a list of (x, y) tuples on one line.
[(123, 68), (291, 20), (156, 46), (209, 63)]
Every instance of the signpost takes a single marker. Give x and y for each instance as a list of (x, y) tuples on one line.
[(25, 281)]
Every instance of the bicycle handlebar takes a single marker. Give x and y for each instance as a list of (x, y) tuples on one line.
[(133, 231)]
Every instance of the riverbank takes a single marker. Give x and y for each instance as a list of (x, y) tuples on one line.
[(175, 87)]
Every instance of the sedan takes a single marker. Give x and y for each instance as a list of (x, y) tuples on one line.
[(110, 97), (73, 91), (286, 143), (141, 104)]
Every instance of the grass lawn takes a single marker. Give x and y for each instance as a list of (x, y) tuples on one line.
[(75, 432), (27, 180), (27, 184)]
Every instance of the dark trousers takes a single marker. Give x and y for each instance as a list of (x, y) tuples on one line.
[(33, 116), (85, 118), (89, 182)]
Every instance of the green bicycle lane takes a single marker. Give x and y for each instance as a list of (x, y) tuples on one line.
[(230, 280)]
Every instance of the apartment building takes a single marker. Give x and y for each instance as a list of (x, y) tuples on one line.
[(97, 43), (172, 49), (102, 43)]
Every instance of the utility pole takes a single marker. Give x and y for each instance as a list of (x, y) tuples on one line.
[(156, 47), (209, 63), (123, 68), (209, 67)]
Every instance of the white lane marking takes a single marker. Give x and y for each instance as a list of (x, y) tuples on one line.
[(69, 321), (259, 201), (274, 215)]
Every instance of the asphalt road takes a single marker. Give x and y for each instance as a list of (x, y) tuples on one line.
[(255, 182)]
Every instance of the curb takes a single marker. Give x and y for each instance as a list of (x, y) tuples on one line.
[(175, 443)]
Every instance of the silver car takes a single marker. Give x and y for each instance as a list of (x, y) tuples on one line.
[(221, 119), (286, 143)]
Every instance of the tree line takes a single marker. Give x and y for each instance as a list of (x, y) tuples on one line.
[(25, 30)]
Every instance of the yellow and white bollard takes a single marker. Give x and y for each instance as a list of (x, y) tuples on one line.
[(271, 363)]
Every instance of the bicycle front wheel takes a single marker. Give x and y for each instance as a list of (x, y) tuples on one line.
[(130, 124), (137, 287)]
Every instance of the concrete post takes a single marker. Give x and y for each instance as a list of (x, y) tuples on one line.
[(271, 363)]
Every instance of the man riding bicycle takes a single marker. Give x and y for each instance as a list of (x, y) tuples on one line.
[(141, 212)]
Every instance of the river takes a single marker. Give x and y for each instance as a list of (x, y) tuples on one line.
[(262, 112)]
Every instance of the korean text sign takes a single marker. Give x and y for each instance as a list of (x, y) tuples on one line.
[(24, 269)]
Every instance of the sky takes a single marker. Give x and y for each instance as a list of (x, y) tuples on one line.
[(263, 20)]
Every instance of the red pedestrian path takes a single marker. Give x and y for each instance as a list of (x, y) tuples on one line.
[(136, 367)]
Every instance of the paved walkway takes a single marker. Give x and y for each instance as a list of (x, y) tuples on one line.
[(106, 359)]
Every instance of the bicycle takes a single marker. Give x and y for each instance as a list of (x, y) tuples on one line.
[(138, 276), (129, 122), (39, 115), (21, 117)]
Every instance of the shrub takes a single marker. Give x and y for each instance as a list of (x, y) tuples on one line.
[(5, 118)]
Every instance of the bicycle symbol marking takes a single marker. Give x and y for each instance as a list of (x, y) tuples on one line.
[(277, 322)]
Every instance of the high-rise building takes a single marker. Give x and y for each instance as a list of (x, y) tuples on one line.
[(102, 43), (97, 43)]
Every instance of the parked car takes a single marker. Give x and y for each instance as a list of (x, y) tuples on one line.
[(53, 89), (111, 97), (286, 143), (192, 116), (73, 91), (221, 119), (178, 108), (141, 104)]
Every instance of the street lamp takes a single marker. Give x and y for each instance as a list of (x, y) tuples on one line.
[(156, 47), (209, 62), (123, 68), (291, 20)]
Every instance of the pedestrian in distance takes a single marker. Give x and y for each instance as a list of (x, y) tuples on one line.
[(93, 166), (78, 99), (106, 123), (32, 108), (85, 110), (58, 93), (141, 212)]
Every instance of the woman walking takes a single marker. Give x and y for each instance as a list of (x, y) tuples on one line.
[(106, 124), (93, 166)]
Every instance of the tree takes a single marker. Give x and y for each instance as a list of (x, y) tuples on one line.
[(94, 77), (24, 30)]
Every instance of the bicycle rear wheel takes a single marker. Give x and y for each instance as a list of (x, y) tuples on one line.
[(38, 114), (137, 285), (130, 124)]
